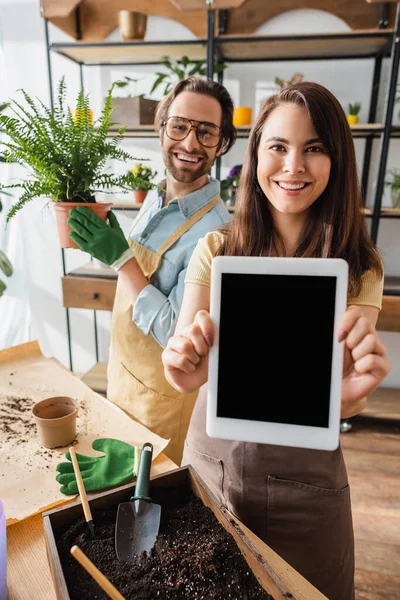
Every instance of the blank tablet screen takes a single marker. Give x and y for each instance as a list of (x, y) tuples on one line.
[(275, 348)]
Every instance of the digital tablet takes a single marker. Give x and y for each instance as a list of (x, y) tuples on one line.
[(275, 369)]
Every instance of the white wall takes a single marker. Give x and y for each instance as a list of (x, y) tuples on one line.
[(32, 308)]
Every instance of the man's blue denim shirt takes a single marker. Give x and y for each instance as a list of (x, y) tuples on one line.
[(157, 307)]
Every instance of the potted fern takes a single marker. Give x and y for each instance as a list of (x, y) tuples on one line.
[(66, 153)]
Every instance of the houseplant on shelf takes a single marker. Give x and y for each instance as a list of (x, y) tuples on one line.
[(394, 184), (354, 109), (177, 70), (132, 110), (5, 264), (66, 153), (230, 184), (141, 181), (285, 82)]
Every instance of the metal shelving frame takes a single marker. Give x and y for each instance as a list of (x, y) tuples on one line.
[(214, 54)]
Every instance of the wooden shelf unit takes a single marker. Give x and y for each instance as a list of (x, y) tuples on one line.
[(353, 44), (237, 48), (112, 53)]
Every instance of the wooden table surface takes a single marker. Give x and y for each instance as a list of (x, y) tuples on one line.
[(28, 572)]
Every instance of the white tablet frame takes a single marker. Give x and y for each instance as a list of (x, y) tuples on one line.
[(322, 438)]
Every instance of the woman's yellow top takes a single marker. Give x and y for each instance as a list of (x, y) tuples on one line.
[(199, 271)]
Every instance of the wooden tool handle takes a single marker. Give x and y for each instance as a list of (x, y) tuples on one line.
[(81, 487), (97, 575)]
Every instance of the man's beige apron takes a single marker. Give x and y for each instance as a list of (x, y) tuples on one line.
[(296, 500), (136, 379)]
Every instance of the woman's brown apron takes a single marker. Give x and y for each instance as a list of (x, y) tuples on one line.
[(296, 500), (135, 374)]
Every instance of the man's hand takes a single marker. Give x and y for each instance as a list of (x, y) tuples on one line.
[(103, 241), (365, 361)]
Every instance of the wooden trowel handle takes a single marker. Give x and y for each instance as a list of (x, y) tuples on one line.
[(97, 575), (142, 490)]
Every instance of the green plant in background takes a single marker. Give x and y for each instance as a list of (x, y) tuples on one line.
[(285, 82), (141, 177), (128, 81), (230, 183), (179, 70), (394, 184), (66, 152), (5, 264), (355, 108)]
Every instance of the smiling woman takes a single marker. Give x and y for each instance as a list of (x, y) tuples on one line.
[(298, 196), (294, 166)]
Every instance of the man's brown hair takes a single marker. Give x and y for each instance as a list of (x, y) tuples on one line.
[(207, 88)]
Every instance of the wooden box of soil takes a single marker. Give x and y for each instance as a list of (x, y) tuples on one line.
[(202, 551)]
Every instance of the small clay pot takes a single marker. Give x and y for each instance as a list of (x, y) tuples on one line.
[(56, 421), (140, 195), (62, 214)]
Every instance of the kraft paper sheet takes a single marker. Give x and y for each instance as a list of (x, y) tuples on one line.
[(27, 469)]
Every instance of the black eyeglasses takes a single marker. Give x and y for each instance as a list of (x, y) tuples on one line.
[(178, 128)]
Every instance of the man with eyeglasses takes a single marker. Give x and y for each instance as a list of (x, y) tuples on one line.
[(195, 126)]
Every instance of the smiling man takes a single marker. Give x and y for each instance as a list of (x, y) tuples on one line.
[(195, 126)]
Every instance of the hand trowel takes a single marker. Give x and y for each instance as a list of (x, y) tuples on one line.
[(138, 520)]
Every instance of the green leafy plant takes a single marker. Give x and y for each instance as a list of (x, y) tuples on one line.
[(5, 264), (66, 152), (179, 70), (355, 108), (127, 82), (285, 82), (141, 177), (394, 184)]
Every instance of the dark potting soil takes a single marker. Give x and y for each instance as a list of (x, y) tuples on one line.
[(194, 558)]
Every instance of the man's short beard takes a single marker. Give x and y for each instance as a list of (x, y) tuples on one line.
[(187, 176)]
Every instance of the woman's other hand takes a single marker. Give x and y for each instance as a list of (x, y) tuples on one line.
[(185, 357), (365, 361)]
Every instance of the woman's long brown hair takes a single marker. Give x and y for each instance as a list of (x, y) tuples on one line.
[(336, 226)]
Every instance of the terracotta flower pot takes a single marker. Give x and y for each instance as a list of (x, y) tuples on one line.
[(140, 195), (56, 421), (62, 213)]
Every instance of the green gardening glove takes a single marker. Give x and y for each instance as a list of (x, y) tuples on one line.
[(106, 242), (118, 465)]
